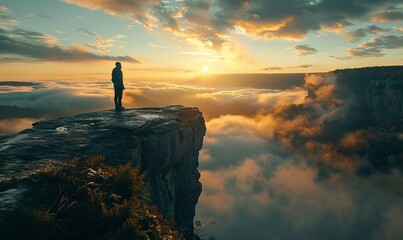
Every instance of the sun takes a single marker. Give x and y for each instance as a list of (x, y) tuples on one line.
[(205, 69)]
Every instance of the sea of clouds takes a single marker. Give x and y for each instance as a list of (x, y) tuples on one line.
[(274, 165)]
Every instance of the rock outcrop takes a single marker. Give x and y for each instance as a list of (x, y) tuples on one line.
[(164, 142)]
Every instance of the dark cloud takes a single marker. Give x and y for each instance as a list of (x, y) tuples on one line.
[(364, 52), (14, 59), (341, 58), (283, 68), (384, 42), (18, 84), (17, 112), (29, 36), (362, 32), (273, 68), (165, 15), (43, 47), (304, 50), (374, 47), (393, 15), (88, 32), (306, 66)]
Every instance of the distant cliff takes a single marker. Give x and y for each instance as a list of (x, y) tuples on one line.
[(378, 90), (374, 94), (164, 142)]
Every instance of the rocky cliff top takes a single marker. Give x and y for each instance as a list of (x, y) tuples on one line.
[(164, 142)]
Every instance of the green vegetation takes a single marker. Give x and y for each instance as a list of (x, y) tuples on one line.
[(86, 200)]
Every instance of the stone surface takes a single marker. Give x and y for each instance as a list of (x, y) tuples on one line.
[(164, 142)]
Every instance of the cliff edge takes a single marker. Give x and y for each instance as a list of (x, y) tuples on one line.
[(164, 142)]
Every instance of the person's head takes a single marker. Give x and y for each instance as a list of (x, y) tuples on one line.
[(118, 64)]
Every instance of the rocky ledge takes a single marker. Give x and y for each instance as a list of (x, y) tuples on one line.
[(164, 142)]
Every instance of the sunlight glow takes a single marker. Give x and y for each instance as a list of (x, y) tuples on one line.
[(205, 69)]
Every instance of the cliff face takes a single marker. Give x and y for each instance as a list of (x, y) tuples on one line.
[(372, 95), (385, 99), (377, 92), (164, 142)]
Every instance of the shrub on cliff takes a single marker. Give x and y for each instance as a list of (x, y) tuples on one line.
[(86, 200)]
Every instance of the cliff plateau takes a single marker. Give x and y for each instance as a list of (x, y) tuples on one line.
[(164, 142)]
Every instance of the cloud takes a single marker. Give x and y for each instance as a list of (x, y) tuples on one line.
[(374, 47), (43, 47), (55, 99), (273, 68), (210, 24), (23, 103), (365, 52), (29, 36), (309, 125), (289, 67), (90, 33), (154, 45), (20, 112), (398, 29), (304, 50), (6, 18), (384, 42), (279, 196), (362, 32), (134, 9), (391, 229), (37, 15), (13, 59), (293, 170), (341, 58), (388, 16), (274, 164), (102, 44), (259, 199), (14, 125)]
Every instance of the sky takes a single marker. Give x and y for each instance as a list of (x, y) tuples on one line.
[(177, 39)]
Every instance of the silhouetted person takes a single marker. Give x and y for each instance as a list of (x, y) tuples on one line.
[(117, 79)]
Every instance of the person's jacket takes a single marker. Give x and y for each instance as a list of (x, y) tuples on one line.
[(117, 78)]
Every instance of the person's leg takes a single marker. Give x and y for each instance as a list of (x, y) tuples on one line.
[(120, 94), (116, 98)]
